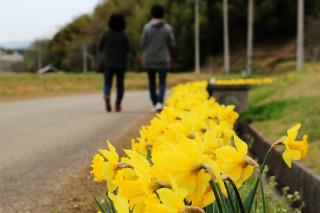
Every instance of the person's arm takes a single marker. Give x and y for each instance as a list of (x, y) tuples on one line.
[(126, 40), (172, 40), (144, 37), (102, 42)]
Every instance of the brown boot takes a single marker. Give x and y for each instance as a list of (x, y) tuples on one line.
[(118, 108), (107, 102)]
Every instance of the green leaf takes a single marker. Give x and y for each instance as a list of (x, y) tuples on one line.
[(250, 197), (99, 206), (230, 198), (237, 195), (262, 194), (223, 199), (216, 194)]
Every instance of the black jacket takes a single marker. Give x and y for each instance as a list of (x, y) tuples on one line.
[(115, 47)]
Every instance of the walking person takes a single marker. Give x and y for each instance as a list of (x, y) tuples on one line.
[(114, 46), (157, 42)]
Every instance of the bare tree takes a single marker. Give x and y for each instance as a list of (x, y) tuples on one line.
[(197, 37), (250, 37), (300, 36), (226, 37), (39, 57), (84, 58)]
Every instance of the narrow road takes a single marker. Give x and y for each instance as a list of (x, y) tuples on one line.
[(43, 141)]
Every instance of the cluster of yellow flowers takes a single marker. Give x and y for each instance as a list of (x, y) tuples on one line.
[(172, 164), (248, 81)]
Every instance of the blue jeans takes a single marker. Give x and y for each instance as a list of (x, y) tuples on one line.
[(108, 80), (157, 98)]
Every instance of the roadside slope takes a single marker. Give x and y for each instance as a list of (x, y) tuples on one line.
[(292, 98)]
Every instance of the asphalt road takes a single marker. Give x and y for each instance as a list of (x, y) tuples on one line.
[(43, 141)]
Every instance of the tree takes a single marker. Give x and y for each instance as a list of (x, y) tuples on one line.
[(36, 56), (197, 42), (272, 21), (250, 37), (226, 37), (300, 37)]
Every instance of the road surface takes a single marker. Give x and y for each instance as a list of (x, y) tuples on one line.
[(43, 141)]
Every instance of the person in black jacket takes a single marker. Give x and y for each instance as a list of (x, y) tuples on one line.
[(115, 46)]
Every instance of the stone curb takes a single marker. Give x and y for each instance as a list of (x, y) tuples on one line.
[(298, 178)]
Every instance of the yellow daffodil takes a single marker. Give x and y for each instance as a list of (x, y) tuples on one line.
[(294, 150), (120, 203), (249, 81), (235, 162), (110, 166), (175, 159), (184, 163), (97, 166)]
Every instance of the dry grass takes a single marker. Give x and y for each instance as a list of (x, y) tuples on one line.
[(293, 98), (26, 86)]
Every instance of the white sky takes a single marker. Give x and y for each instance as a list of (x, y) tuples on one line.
[(26, 20)]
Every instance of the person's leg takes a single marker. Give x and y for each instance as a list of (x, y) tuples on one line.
[(108, 76), (162, 84), (120, 73), (152, 86)]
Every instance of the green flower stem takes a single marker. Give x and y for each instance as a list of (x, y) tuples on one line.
[(99, 205), (216, 194), (262, 195), (230, 196), (254, 191), (222, 197), (242, 210)]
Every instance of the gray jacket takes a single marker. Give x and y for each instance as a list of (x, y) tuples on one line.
[(157, 40)]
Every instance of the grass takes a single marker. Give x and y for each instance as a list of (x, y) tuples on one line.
[(275, 202), (27, 85), (293, 98)]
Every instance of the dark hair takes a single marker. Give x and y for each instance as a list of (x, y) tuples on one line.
[(157, 11), (117, 22)]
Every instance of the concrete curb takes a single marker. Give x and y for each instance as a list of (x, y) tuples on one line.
[(298, 178)]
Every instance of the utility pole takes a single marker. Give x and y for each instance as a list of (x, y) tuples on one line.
[(84, 58), (300, 36), (226, 37), (197, 38), (39, 57), (250, 37)]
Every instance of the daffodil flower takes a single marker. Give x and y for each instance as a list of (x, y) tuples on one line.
[(184, 162), (97, 166), (294, 150), (120, 203), (235, 162)]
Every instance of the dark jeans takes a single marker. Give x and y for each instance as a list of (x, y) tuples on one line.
[(157, 98), (108, 80)]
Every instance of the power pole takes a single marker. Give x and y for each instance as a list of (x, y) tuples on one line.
[(226, 37), (300, 36), (84, 58), (197, 38), (39, 57), (250, 37)]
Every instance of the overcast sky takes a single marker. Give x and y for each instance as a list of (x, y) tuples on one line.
[(26, 20)]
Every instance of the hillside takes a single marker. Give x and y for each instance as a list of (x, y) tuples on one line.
[(292, 98), (273, 24)]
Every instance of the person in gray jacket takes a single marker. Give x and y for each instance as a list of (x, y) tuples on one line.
[(157, 41)]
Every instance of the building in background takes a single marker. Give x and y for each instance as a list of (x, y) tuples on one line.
[(10, 60)]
